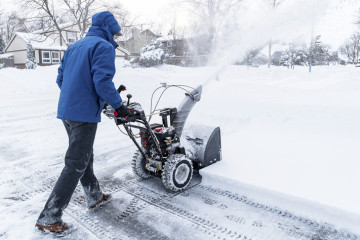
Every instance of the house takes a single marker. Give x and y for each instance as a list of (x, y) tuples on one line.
[(47, 51), (187, 50), (187, 45), (121, 52), (137, 40), (49, 46)]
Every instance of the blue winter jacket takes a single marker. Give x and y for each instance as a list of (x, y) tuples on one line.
[(85, 77)]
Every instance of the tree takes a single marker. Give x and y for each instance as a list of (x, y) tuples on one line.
[(352, 48), (11, 24), (44, 8), (1, 31), (320, 53), (252, 58), (2, 45), (273, 5), (317, 54), (121, 15), (81, 12), (211, 13), (289, 57), (30, 61), (78, 12)]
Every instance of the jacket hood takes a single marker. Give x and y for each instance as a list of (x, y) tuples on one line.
[(103, 32), (106, 18)]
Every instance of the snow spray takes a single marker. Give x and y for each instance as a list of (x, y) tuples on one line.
[(292, 21)]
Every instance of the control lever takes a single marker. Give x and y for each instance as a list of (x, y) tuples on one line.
[(121, 88), (128, 96)]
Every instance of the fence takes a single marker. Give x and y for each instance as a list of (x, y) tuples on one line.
[(6, 60)]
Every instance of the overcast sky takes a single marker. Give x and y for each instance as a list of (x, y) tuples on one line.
[(335, 21)]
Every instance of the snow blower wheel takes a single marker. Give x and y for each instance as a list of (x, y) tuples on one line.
[(138, 165), (177, 172)]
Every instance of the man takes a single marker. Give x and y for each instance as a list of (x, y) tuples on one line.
[(85, 82)]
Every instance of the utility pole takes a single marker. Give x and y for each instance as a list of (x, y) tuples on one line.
[(311, 47)]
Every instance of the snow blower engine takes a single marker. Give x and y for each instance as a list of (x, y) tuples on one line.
[(160, 152)]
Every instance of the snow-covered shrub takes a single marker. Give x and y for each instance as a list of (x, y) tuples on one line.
[(252, 58), (319, 54), (1, 65), (30, 61), (152, 54), (342, 62), (134, 60), (126, 64), (30, 65)]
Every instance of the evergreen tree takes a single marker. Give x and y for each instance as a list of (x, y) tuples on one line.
[(1, 45), (318, 53), (30, 62)]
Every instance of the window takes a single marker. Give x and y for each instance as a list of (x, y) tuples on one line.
[(55, 57), (71, 37), (46, 57), (50, 57)]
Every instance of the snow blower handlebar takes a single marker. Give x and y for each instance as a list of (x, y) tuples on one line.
[(136, 114)]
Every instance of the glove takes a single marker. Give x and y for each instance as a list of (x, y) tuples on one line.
[(122, 112)]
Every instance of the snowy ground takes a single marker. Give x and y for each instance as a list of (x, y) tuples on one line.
[(289, 170)]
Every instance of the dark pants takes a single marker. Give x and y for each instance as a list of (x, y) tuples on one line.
[(78, 166)]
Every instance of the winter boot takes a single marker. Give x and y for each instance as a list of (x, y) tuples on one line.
[(59, 228), (105, 199)]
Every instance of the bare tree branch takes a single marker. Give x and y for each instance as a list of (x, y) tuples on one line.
[(80, 11), (210, 12), (44, 7)]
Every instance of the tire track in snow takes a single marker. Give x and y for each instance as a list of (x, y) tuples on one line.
[(290, 224), (317, 230), (162, 201)]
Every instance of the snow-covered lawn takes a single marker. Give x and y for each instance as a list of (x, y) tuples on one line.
[(292, 133), (289, 131)]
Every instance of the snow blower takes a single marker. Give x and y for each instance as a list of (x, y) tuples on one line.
[(162, 150)]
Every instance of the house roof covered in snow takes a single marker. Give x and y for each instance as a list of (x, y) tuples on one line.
[(127, 37), (39, 41), (6, 55), (123, 50)]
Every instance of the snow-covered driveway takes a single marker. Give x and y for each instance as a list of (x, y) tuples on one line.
[(33, 143)]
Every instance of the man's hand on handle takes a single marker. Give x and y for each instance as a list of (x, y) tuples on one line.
[(122, 112)]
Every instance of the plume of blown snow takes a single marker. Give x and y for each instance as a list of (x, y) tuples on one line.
[(291, 21)]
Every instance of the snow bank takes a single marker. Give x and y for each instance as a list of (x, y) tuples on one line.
[(6, 55), (289, 131)]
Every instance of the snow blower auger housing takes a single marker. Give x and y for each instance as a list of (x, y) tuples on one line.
[(160, 152)]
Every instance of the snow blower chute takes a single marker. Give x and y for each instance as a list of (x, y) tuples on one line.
[(166, 149)]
